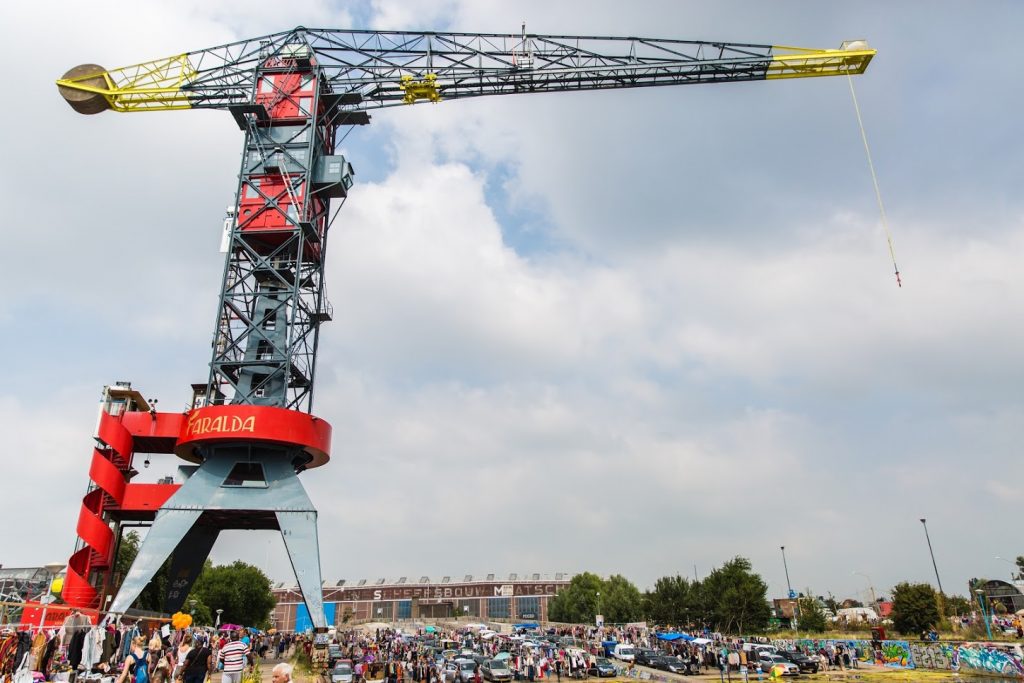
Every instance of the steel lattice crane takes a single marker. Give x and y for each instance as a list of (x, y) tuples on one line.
[(251, 429)]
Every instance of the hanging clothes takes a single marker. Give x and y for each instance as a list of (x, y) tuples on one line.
[(92, 647), (75, 645), (8, 648)]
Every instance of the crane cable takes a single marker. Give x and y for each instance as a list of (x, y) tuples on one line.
[(874, 179)]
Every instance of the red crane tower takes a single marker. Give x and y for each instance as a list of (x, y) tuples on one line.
[(251, 430)]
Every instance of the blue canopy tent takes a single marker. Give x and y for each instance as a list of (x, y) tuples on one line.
[(526, 627), (674, 636)]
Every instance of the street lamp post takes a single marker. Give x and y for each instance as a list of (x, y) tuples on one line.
[(219, 612), (924, 523), (942, 594), (795, 621), (981, 601), (192, 607)]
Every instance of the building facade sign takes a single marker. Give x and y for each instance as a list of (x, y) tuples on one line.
[(469, 591)]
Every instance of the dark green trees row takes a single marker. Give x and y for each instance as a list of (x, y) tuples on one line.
[(731, 599)]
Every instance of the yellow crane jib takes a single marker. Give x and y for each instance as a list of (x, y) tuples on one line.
[(419, 90), (852, 57), (156, 85)]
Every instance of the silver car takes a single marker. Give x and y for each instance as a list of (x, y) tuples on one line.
[(495, 670), (768, 661), (341, 673)]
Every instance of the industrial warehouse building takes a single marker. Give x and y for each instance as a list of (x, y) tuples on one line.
[(518, 597)]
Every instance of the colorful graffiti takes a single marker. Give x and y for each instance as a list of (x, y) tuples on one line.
[(992, 659), (984, 658), (892, 653)]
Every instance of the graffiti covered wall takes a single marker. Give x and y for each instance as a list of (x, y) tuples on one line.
[(981, 658), (892, 653)]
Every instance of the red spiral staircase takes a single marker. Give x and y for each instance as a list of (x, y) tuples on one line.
[(127, 426)]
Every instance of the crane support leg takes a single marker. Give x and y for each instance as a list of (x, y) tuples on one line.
[(237, 486), (169, 528), (300, 538), (187, 563)]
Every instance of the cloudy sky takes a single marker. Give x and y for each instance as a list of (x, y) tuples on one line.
[(636, 331)]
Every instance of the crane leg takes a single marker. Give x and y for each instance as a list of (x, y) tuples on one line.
[(186, 564), (241, 486)]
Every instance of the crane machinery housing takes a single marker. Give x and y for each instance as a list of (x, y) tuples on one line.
[(250, 430)]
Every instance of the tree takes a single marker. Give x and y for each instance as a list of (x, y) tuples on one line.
[(734, 598), (620, 600), (674, 600), (957, 605), (577, 603), (812, 618), (1020, 566), (240, 589), (914, 607)]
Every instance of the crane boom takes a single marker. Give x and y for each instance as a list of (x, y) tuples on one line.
[(389, 68)]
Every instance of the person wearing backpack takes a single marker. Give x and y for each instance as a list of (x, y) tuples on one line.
[(136, 664)]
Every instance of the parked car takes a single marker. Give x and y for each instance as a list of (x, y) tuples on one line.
[(767, 661), (602, 668), (644, 656), (669, 663), (625, 652), (333, 653), (465, 670), (495, 670), (342, 672), (804, 663)]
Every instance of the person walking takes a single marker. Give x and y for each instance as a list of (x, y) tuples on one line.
[(136, 664), (197, 662), (233, 656)]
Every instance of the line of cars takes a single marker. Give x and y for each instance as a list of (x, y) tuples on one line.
[(664, 662)]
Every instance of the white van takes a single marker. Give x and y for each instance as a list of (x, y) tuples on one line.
[(625, 652)]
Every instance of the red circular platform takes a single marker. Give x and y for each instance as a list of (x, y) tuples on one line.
[(264, 424)]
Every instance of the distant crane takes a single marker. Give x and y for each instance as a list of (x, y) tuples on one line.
[(250, 430)]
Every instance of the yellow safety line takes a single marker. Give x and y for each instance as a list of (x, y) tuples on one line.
[(874, 179)]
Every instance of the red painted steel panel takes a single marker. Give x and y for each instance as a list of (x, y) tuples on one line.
[(155, 426), (146, 497), (246, 423), (114, 434)]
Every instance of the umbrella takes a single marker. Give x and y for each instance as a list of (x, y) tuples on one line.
[(430, 629)]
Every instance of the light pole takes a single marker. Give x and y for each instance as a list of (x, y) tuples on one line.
[(981, 601), (192, 608), (924, 523), (219, 612), (51, 570), (874, 600), (789, 587)]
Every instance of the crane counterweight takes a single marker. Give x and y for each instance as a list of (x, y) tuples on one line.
[(86, 97)]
